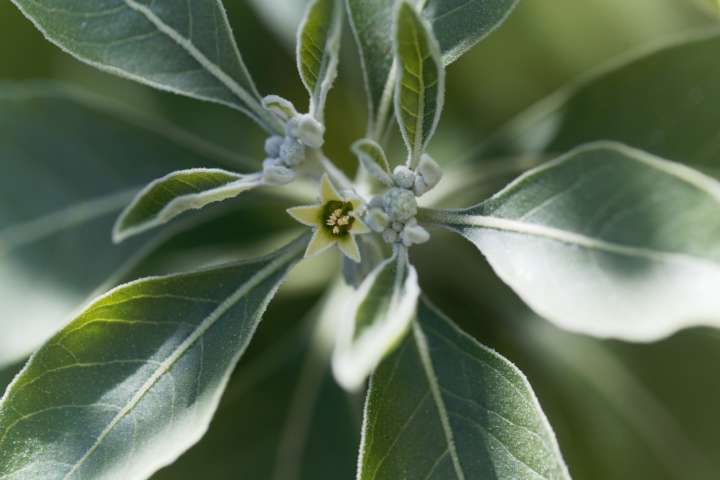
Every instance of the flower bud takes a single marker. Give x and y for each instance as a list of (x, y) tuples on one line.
[(414, 234), (400, 204), (309, 131), (278, 175), (272, 146), (420, 188), (292, 152), (404, 177), (429, 170)]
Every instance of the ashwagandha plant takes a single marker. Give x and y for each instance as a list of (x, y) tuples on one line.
[(599, 238)]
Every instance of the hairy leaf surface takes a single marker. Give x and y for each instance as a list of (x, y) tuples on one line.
[(606, 240), (318, 49), (377, 319), (458, 25), (135, 378), (166, 198), (420, 90), (183, 47), (445, 407)]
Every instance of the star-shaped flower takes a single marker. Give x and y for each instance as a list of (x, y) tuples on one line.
[(335, 221)]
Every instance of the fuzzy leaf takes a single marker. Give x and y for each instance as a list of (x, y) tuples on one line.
[(318, 50), (182, 47), (420, 89), (445, 407), (135, 378), (458, 26), (169, 196), (607, 241), (378, 318)]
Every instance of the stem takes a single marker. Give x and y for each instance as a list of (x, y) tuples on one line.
[(331, 169)]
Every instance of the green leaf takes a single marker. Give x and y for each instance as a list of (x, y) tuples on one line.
[(606, 240), (445, 407), (167, 197), (377, 319), (458, 26), (134, 379), (186, 48), (318, 48), (60, 196), (635, 102), (420, 89), (372, 156), (280, 417)]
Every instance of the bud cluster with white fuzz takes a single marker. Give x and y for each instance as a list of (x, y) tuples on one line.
[(284, 153), (393, 213)]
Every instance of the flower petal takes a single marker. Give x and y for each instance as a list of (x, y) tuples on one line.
[(320, 241), (309, 215), (348, 245), (359, 227), (328, 191)]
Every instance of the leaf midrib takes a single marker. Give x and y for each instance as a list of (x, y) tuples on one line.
[(167, 364)]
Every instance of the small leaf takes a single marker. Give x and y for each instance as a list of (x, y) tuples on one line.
[(420, 88), (134, 380), (169, 196), (379, 317), (445, 407), (607, 240), (186, 47), (318, 48), (373, 158), (458, 26)]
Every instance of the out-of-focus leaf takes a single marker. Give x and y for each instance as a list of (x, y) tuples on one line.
[(457, 25), (420, 88), (186, 48), (606, 240), (378, 318), (445, 407), (60, 196), (134, 380), (664, 102), (318, 49), (166, 198)]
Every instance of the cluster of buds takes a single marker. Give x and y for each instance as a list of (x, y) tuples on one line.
[(393, 213), (285, 153)]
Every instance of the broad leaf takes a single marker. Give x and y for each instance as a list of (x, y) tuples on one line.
[(166, 198), (186, 48), (445, 407), (134, 380), (634, 102), (318, 48), (457, 25), (420, 89), (282, 416), (60, 196), (376, 321), (606, 240)]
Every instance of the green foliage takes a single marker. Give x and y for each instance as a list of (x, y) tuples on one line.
[(606, 231)]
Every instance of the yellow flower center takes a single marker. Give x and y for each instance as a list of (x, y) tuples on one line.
[(338, 217)]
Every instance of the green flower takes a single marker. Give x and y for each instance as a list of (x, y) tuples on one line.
[(335, 221)]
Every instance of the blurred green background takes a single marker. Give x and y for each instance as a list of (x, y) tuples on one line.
[(621, 411)]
